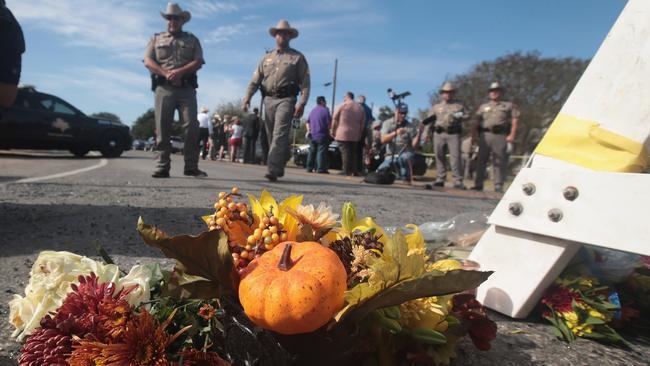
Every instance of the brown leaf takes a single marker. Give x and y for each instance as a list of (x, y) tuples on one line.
[(206, 255)]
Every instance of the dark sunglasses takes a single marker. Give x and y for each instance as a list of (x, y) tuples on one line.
[(175, 18)]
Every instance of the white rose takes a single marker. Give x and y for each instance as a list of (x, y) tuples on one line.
[(49, 284), (145, 277)]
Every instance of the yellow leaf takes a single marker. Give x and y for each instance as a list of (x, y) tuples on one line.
[(206, 219), (415, 240), (269, 204)]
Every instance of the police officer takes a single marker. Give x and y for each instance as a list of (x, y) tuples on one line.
[(13, 46), (281, 75), (173, 57), (496, 126), (447, 118)]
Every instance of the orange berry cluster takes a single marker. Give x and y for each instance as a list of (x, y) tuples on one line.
[(267, 233), (266, 236), (227, 211)]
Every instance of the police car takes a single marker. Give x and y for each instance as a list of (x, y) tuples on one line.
[(42, 121)]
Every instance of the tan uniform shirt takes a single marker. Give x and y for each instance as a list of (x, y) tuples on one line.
[(497, 113), (172, 52), (281, 69), (449, 113)]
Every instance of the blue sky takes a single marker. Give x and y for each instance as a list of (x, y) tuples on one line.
[(89, 51)]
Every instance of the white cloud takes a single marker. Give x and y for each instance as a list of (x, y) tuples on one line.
[(115, 89), (225, 33), (121, 28), (215, 88), (206, 8)]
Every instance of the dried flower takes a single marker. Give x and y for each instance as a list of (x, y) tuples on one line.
[(207, 312), (319, 218)]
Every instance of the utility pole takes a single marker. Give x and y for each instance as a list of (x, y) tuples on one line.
[(336, 63)]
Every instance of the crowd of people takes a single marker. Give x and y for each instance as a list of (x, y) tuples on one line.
[(233, 135), (283, 79)]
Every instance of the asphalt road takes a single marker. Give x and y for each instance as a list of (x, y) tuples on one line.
[(50, 200)]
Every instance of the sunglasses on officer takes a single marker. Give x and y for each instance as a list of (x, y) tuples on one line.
[(173, 18)]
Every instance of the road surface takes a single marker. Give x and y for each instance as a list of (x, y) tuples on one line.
[(50, 200)]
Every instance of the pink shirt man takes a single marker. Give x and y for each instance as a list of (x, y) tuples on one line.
[(348, 121)]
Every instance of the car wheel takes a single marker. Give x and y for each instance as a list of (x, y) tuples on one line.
[(111, 145), (79, 152)]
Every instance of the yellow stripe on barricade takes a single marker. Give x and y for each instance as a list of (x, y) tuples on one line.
[(585, 143)]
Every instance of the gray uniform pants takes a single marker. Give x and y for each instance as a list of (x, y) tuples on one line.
[(167, 100), (490, 143), (277, 120), (453, 144)]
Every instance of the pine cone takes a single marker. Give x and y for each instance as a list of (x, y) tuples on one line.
[(45, 347), (369, 241), (343, 249)]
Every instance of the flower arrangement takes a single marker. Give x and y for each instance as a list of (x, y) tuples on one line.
[(267, 283), (579, 307)]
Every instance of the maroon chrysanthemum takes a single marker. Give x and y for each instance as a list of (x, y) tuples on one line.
[(91, 311), (45, 347), (471, 312), (560, 298)]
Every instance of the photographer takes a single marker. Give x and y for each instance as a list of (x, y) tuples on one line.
[(400, 138)]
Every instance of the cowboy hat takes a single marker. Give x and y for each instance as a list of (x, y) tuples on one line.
[(174, 9), (204, 110), (447, 87), (495, 86), (283, 25)]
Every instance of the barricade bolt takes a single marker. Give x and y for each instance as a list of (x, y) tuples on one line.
[(570, 193), (528, 188), (515, 208), (555, 214)]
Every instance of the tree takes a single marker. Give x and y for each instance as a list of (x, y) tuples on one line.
[(385, 113), (231, 108), (539, 86), (144, 126), (107, 115)]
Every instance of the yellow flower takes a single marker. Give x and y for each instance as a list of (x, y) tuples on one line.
[(445, 265), (350, 224), (429, 312), (267, 205), (319, 218), (49, 284), (570, 316), (415, 240)]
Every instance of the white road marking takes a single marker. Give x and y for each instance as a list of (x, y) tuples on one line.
[(101, 163)]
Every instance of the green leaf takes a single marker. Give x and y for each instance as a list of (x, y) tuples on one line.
[(567, 334), (348, 216), (103, 253), (366, 297), (206, 255), (594, 321)]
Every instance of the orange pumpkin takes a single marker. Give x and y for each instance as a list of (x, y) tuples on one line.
[(294, 288)]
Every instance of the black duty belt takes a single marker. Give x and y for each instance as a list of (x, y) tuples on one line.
[(452, 130), (282, 92), (498, 129)]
